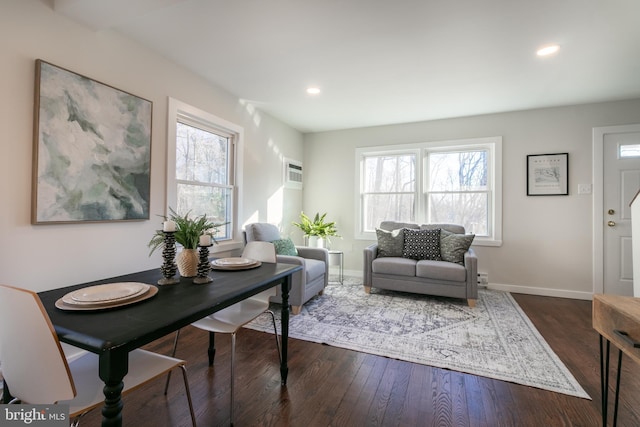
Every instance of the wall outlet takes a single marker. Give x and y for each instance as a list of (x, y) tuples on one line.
[(483, 279)]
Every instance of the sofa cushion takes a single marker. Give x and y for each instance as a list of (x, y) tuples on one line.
[(390, 243), (395, 266), (441, 270), (262, 231), (453, 246), (421, 244), (313, 268), (285, 247)]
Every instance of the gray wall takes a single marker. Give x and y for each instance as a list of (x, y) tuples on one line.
[(48, 256), (547, 241)]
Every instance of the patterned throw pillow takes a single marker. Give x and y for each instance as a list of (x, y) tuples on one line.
[(390, 243), (453, 246), (285, 247), (422, 244)]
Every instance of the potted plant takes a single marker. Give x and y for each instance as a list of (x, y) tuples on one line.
[(187, 234), (317, 229)]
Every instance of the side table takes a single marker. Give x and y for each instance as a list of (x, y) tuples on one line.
[(337, 258), (617, 320)]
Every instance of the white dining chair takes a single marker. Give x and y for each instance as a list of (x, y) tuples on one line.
[(37, 370), (232, 318)]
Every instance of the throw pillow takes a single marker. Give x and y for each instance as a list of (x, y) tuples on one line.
[(453, 246), (285, 247), (422, 244), (390, 243)]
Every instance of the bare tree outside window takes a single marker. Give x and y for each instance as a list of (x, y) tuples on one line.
[(389, 189), (202, 174), (458, 191), (455, 182)]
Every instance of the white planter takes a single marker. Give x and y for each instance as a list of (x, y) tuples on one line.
[(312, 241), (316, 242)]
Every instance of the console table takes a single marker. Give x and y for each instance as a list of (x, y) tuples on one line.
[(617, 320)]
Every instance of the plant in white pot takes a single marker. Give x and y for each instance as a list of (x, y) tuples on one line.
[(187, 234), (317, 230)]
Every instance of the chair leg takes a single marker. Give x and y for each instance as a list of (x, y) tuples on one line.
[(275, 332), (186, 386), (173, 354)]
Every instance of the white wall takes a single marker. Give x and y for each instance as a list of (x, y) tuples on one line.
[(547, 241), (48, 256)]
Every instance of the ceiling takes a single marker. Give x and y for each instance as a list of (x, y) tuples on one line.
[(379, 61)]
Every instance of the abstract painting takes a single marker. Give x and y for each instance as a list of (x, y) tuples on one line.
[(92, 150)]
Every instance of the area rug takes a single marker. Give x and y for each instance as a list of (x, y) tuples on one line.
[(495, 339)]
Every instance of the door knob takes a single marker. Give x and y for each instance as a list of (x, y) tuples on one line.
[(611, 223)]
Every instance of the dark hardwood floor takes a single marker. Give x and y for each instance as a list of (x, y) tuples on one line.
[(329, 386)]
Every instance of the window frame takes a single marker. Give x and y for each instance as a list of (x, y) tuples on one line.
[(494, 178), (192, 116)]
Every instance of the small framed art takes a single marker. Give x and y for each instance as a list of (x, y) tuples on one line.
[(548, 174)]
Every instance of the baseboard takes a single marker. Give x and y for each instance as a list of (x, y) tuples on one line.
[(546, 292)]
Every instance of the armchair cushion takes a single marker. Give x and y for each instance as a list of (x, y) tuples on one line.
[(390, 243), (262, 231), (422, 244), (285, 247), (314, 269), (453, 246)]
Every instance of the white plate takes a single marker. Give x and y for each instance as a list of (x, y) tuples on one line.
[(234, 262), (235, 267), (65, 305), (108, 292)]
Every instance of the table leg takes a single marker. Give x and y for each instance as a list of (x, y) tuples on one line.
[(211, 351), (284, 327), (113, 368), (615, 407)]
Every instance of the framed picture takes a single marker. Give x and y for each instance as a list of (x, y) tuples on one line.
[(548, 174), (91, 150)]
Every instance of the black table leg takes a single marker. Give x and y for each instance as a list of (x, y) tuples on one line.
[(113, 368), (284, 327), (615, 407), (211, 351), (604, 380)]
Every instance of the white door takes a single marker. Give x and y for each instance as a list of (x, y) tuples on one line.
[(621, 156)]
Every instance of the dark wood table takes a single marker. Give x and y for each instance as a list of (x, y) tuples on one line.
[(113, 333)]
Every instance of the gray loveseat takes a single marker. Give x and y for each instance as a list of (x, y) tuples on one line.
[(423, 276)]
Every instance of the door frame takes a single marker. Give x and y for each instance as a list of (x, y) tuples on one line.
[(598, 199)]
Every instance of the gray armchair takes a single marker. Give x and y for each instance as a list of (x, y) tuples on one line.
[(305, 284)]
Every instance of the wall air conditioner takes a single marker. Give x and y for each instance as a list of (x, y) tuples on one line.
[(292, 174)]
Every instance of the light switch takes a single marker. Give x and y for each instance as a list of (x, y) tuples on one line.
[(584, 188)]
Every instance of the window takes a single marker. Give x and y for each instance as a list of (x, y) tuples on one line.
[(201, 164), (455, 182), (629, 150)]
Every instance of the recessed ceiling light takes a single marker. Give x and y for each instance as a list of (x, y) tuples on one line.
[(313, 90), (548, 50)]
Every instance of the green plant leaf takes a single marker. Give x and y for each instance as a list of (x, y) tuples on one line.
[(188, 231)]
